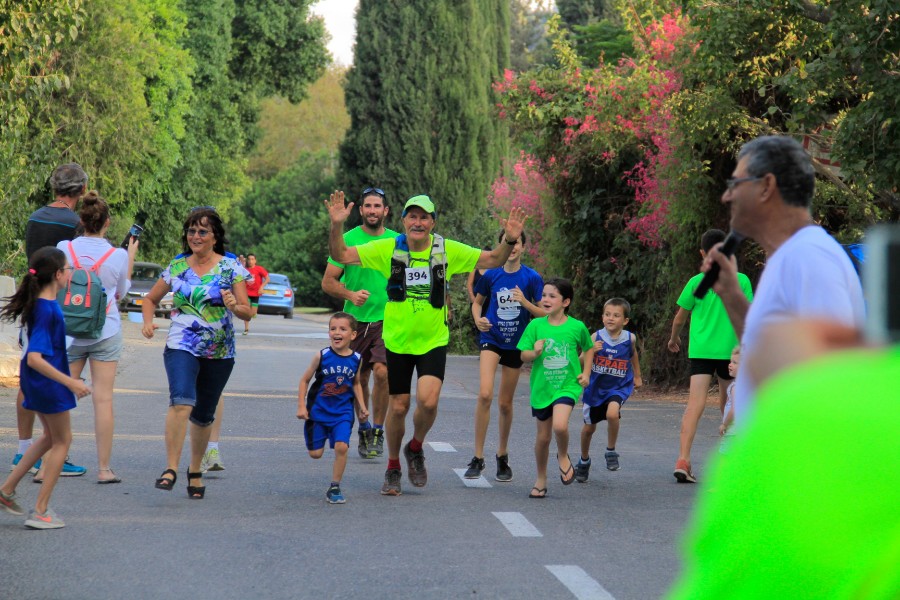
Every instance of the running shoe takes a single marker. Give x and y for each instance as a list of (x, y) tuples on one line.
[(334, 495), (9, 504), (376, 446), (415, 462), (683, 472), (70, 470), (366, 438), (212, 461), (48, 520), (476, 466), (582, 470), (391, 485), (33, 470), (504, 473), (612, 460)]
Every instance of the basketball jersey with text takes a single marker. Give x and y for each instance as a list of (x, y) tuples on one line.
[(330, 397), (612, 373)]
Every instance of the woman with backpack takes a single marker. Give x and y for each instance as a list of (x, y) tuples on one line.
[(104, 350)]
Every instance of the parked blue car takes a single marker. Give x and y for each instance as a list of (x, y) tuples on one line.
[(277, 298)]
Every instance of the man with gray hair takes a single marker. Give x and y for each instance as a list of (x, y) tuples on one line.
[(807, 273), (47, 226)]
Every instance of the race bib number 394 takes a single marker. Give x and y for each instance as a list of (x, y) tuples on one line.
[(418, 276)]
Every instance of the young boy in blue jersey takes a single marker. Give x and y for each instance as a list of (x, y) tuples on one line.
[(327, 405), (614, 375), (512, 293)]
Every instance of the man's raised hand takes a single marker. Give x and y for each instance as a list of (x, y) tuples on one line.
[(515, 223), (336, 209)]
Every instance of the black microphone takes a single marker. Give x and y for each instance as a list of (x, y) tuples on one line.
[(733, 240)]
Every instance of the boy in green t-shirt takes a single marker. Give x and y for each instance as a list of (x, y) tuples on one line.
[(711, 340), (557, 379)]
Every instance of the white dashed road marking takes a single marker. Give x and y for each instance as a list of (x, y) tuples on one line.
[(517, 524), (481, 482), (582, 585), (441, 447)]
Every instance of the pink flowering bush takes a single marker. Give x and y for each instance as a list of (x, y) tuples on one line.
[(526, 187)]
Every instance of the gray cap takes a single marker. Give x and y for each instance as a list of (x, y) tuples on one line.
[(68, 180)]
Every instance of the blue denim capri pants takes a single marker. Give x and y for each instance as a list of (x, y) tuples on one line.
[(196, 382)]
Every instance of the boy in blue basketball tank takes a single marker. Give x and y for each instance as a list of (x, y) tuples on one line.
[(511, 293), (327, 405), (614, 375)]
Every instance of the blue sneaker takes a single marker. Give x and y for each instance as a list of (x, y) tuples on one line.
[(70, 470), (334, 495), (32, 470)]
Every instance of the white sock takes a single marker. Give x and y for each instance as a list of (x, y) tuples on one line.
[(24, 445), (212, 446)]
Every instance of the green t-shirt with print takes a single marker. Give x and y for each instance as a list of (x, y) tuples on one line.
[(711, 332), (414, 326), (554, 374), (804, 503), (356, 278)]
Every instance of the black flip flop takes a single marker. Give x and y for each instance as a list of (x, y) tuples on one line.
[(541, 492), (562, 476)]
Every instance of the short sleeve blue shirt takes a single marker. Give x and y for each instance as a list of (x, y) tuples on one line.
[(508, 318)]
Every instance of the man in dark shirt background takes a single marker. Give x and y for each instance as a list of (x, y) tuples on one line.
[(47, 226)]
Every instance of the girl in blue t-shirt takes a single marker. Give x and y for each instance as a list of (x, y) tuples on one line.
[(48, 387)]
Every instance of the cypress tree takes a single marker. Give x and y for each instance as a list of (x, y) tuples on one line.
[(422, 108)]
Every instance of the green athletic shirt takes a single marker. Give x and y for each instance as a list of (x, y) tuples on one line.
[(806, 503), (414, 326), (554, 374), (356, 278), (711, 333)]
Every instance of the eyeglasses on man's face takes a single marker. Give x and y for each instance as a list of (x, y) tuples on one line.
[(734, 182)]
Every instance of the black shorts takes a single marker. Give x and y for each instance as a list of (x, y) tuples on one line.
[(542, 414), (711, 366), (508, 358), (400, 368), (594, 414)]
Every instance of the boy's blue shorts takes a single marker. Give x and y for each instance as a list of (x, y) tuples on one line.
[(316, 433)]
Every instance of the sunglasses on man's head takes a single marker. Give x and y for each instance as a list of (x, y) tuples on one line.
[(375, 190)]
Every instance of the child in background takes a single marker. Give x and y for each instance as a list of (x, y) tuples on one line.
[(728, 413), (615, 372), (554, 343), (327, 406), (49, 389)]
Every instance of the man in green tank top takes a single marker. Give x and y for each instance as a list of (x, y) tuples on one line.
[(364, 292)]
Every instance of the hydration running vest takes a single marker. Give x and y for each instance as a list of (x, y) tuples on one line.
[(437, 262)]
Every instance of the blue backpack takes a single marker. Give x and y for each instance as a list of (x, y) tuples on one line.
[(83, 301)]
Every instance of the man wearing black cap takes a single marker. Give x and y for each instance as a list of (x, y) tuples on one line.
[(47, 226), (418, 265)]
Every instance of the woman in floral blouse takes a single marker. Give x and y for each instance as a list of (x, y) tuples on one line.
[(209, 290)]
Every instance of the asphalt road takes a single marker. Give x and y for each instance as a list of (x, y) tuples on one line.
[(265, 530)]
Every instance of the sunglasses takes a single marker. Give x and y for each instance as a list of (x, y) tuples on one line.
[(201, 232), (196, 208), (370, 190)]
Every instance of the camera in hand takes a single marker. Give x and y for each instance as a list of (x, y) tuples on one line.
[(135, 232)]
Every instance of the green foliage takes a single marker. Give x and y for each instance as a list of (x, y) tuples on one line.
[(315, 124), (604, 41), (282, 220), (576, 13), (420, 121), (528, 45)]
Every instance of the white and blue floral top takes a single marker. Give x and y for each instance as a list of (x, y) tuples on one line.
[(201, 324)]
